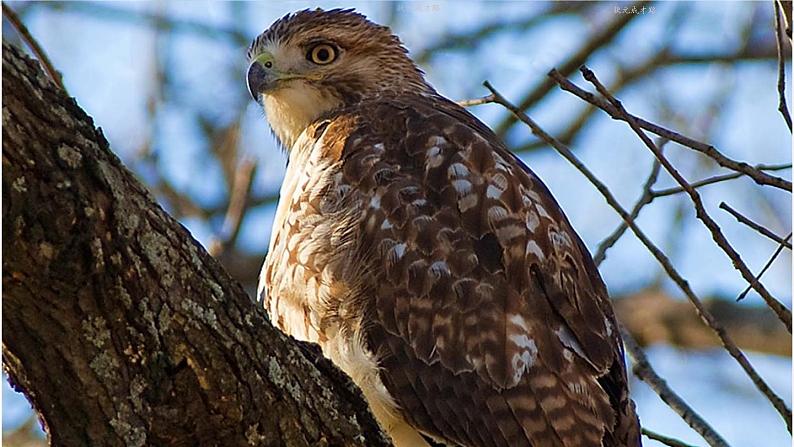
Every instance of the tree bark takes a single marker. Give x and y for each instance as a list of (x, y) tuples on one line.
[(118, 326)]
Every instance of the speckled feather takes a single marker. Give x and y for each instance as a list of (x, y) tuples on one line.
[(409, 237), (460, 271)]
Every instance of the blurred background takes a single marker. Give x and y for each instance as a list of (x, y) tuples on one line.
[(166, 82)]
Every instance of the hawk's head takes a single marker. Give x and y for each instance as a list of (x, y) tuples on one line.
[(313, 61)]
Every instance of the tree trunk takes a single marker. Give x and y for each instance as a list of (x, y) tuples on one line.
[(117, 325)]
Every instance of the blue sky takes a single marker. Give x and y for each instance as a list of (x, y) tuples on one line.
[(108, 66)]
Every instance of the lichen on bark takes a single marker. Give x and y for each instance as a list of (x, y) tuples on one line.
[(118, 326)]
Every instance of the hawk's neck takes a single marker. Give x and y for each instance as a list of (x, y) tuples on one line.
[(291, 110)]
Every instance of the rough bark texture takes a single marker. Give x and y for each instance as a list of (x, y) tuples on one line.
[(117, 325)]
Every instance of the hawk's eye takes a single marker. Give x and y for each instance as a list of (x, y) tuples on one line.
[(322, 54)]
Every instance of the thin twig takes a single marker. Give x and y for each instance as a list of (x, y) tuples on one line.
[(710, 151), (783, 313), (243, 182), (465, 40), (727, 341), (718, 179), (781, 68), (155, 20), (700, 211), (666, 440), (766, 266), (252, 202), (238, 205), (642, 368), (476, 101), (605, 35), (628, 76), (785, 5), (33, 44), (646, 198), (625, 78), (663, 260), (757, 227)]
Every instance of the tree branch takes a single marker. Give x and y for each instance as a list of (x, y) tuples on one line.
[(118, 327), (644, 371), (785, 5), (604, 36), (781, 68), (767, 265), (718, 179), (703, 313), (666, 440), (478, 36), (122, 14), (708, 150), (700, 210), (629, 76), (238, 206), (757, 227), (645, 199), (33, 44)]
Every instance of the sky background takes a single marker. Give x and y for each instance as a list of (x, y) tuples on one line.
[(107, 64)]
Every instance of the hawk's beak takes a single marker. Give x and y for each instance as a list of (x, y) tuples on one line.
[(260, 79)]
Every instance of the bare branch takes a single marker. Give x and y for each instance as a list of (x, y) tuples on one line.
[(476, 101), (642, 368), (649, 195), (629, 76), (238, 205), (469, 38), (719, 179), (760, 177), (781, 68), (757, 227), (705, 315), (700, 211), (645, 198), (251, 202), (590, 45), (199, 29), (666, 440), (767, 265), (785, 5), (33, 44)]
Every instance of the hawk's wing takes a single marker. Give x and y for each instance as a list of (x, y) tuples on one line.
[(490, 321)]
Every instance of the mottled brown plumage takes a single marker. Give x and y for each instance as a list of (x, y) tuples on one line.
[(426, 260)]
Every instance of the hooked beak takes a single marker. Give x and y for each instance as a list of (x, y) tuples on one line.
[(260, 79)]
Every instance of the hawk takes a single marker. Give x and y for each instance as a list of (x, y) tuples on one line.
[(427, 261)]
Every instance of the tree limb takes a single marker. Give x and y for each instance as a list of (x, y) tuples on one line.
[(700, 211), (708, 150), (645, 372), (781, 67), (755, 226), (682, 283), (118, 327), (598, 40), (33, 44)]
